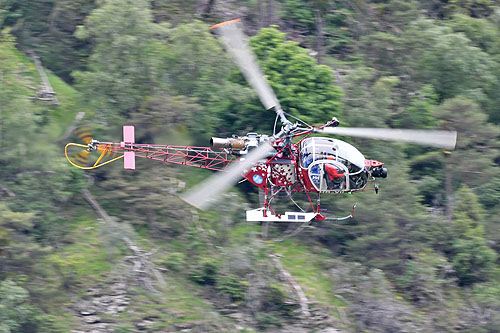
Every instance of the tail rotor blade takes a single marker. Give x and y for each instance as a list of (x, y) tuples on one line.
[(84, 133), (82, 157), (207, 193), (236, 43), (441, 139)]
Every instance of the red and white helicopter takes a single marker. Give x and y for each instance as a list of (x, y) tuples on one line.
[(274, 163)]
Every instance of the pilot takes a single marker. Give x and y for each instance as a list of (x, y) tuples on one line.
[(334, 177)]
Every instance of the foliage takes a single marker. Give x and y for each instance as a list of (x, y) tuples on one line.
[(16, 312), (419, 113), (176, 261), (475, 143), (424, 277), (118, 78), (332, 17), (452, 65), (196, 66), (15, 246), (489, 193), (268, 320), (205, 272), (472, 259), (429, 64), (303, 88), (47, 27), (231, 286)]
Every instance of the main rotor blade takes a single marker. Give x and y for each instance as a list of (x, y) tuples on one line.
[(441, 139), (207, 193), (236, 43)]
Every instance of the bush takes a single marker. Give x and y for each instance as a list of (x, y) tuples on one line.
[(232, 286), (175, 261), (266, 320), (274, 299), (205, 272)]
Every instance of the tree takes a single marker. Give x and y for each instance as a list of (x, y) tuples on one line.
[(419, 113), (119, 77), (452, 65), (174, 11), (163, 112), (17, 314), (197, 67), (472, 259), (15, 246), (303, 88), (446, 8), (472, 161), (47, 27), (14, 307)]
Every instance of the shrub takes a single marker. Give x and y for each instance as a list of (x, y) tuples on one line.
[(175, 261), (232, 286), (205, 272)]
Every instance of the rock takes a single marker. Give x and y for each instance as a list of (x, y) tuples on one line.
[(183, 326), (329, 330), (91, 319), (88, 310), (112, 309), (100, 326), (144, 324), (236, 315), (93, 292), (105, 299)]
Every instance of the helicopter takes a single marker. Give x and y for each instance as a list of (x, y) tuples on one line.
[(288, 161)]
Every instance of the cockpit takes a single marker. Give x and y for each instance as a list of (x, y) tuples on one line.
[(333, 165)]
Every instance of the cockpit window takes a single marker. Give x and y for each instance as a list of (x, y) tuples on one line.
[(338, 160), (313, 149)]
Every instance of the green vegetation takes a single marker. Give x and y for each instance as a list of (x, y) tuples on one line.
[(423, 255)]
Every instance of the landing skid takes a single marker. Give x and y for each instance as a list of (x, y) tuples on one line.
[(264, 215)]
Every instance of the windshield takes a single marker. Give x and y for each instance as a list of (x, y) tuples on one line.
[(313, 149)]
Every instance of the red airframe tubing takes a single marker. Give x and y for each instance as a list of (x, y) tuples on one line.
[(201, 157)]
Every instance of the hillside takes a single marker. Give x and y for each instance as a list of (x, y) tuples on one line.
[(114, 250)]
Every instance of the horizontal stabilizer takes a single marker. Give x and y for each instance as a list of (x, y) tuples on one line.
[(128, 156)]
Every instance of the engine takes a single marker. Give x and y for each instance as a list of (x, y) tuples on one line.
[(239, 145)]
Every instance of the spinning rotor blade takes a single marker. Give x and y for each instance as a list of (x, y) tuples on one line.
[(82, 157), (84, 133), (209, 191), (441, 139), (236, 43)]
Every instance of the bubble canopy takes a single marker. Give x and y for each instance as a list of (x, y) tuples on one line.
[(313, 149)]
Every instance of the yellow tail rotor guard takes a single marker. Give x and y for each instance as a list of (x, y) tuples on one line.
[(104, 151)]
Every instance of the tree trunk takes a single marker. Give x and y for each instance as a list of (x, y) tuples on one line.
[(319, 37), (270, 12), (208, 8), (448, 188)]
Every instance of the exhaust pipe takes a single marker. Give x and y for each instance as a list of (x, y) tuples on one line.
[(232, 143)]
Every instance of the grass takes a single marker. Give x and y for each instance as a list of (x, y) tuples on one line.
[(304, 265), (177, 304), (85, 258)]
